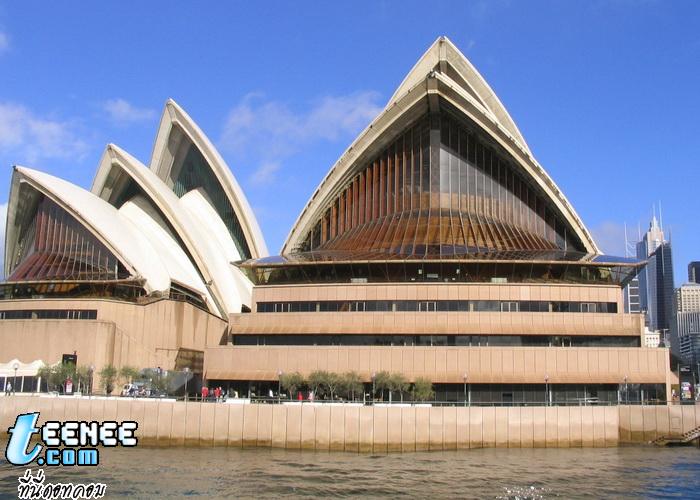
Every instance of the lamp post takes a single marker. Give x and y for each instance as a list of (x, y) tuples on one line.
[(92, 374), (187, 376), (374, 376), (279, 386), (546, 390), (14, 382), (464, 377), (627, 399)]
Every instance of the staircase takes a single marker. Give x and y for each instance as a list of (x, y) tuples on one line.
[(691, 435)]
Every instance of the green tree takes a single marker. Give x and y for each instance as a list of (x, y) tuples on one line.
[(159, 382), (52, 376), (351, 384), (423, 389), (128, 374), (318, 382), (56, 375), (108, 376), (397, 383), (82, 377), (292, 382), (382, 382), (66, 370), (333, 383)]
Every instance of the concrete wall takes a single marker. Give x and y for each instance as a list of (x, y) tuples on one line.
[(527, 365), (493, 323), (439, 323), (142, 335), (645, 423), (48, 339), (440, 291), (366, 428)]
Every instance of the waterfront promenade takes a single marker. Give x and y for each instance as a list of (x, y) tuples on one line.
[(346, 427)]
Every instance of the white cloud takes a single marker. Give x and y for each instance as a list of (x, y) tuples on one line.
[(30, 137), (123, 112), (268, 132), (610, 237), (264, 174), (4, 42)]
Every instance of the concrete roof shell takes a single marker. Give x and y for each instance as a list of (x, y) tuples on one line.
[(442, 72), (221, 283), (173, 114), (112, 228)]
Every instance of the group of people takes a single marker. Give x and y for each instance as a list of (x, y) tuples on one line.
[(216, 394)]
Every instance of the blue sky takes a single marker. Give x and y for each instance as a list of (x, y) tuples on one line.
[(607, 93)]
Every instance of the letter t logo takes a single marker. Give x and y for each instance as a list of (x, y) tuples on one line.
[(20, 434)]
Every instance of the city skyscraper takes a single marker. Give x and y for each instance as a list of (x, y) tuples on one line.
[(694, 272), (685, 327), (656, 280), (631, 291)]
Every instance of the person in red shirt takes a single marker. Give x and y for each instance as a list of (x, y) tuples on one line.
[(217, 393), (205, 393)]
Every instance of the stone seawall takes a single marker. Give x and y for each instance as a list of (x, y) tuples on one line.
[(366, 428)]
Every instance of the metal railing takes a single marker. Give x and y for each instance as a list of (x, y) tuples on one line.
[(359, 402), (457, 403)]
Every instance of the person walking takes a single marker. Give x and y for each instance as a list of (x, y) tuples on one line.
[(205, 392), (8, 388)]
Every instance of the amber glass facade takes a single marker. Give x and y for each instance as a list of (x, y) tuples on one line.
[(440, 188), (53, 245)]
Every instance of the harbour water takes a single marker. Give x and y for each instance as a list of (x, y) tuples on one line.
[(625, 472)]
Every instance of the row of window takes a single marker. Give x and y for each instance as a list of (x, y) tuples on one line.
[(496, 394), (439, 340), (517, 269), (436, 305), (49, 314), (552, 394)]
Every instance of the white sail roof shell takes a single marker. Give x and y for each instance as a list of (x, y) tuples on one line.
[(114, 229), (445, 72), (213, 263), (174, 115), (179, 267)]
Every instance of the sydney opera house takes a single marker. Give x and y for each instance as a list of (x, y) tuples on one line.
[(436, 246)]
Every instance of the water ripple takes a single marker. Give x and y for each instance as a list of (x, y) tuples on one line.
[(630, 472)]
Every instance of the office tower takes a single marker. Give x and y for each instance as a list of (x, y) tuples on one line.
[(686, 324), (656, 281), (631, 291), (694, 272)]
